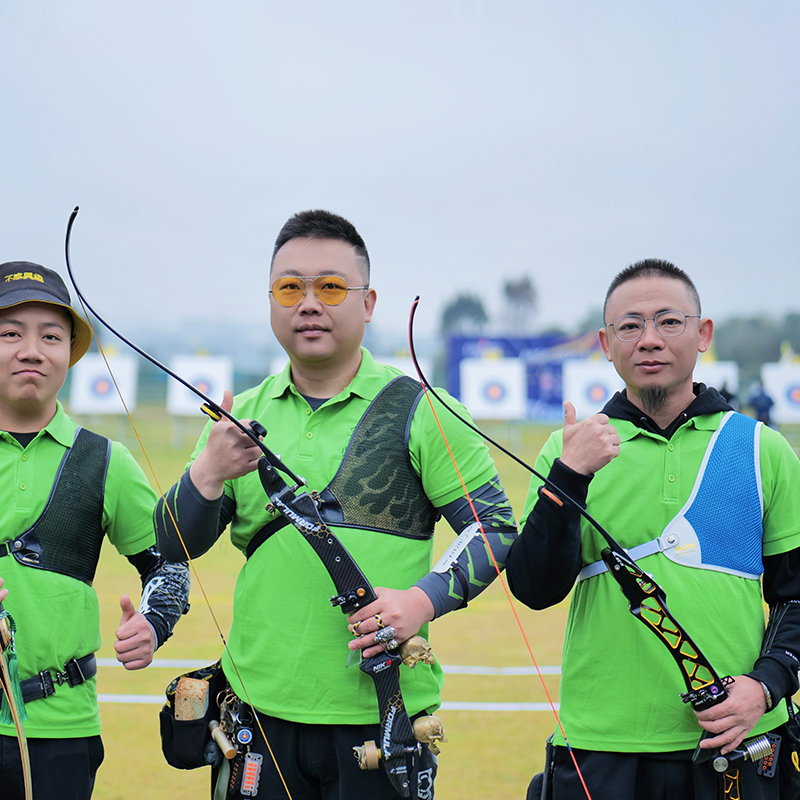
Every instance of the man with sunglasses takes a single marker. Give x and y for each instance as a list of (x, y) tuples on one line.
[(705, 500), (365, 439)]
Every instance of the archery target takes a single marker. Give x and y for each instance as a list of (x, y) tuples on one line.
[(92, 389), (494, 388), (211, 375), (781, 382), (718, 374), (589, 383)]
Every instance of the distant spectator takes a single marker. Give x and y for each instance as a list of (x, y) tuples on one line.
[(761, 403)]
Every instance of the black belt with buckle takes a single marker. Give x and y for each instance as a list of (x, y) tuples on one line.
[(43, 684)]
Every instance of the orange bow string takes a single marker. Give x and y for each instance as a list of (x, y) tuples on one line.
[(430, 393)]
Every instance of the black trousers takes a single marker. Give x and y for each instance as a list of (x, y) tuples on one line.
[(317, 763), (644, 776), (60, 768)]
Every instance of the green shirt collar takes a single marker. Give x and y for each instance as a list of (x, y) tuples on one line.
[(368, 381), (61, 428)]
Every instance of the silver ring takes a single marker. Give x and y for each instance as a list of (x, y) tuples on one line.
[(385, 634), (392, 644)]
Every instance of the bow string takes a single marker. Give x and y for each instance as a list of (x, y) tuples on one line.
[(646, 598), (430, 393), (255, 431)]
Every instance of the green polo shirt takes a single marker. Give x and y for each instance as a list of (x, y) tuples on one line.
[(57, 617), (289, 645), (620, 688)]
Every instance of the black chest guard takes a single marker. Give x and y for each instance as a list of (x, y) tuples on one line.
[(69, 532), (375, 487)]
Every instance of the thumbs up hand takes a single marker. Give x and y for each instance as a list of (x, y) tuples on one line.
[(229, 453), (589, 444), (136, 640)]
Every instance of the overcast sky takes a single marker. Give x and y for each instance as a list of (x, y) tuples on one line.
[(468, 141)]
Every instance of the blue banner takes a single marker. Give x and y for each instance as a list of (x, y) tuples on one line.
[(542, 355)]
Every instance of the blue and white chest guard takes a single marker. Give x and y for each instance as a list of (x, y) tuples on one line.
[(721, 525)]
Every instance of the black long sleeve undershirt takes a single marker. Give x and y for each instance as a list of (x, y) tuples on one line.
[(545, 559)]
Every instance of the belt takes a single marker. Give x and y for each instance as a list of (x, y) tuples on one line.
[(76, 671)]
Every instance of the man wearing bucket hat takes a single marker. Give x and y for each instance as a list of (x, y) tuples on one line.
[(64, 489)]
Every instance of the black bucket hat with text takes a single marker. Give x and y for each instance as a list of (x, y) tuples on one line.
[(26, 282)]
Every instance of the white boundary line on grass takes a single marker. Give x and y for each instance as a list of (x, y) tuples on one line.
[(174, 663), (453, 705)]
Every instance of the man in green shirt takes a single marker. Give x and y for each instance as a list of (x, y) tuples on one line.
[(705, 500), (383, 476), (64, 489)]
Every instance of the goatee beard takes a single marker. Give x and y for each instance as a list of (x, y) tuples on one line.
[(653, 398)]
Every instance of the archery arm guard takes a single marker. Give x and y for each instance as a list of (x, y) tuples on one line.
[(467, 567), (165, 591)]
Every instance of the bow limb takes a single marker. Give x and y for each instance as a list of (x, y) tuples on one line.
[(9, 683), (647, 600), (430, 393), (209, 407), (213, 410)]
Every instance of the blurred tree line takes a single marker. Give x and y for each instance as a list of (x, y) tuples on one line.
[(749, 341)]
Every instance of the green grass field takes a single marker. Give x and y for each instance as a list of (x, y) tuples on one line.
[(488, 753)]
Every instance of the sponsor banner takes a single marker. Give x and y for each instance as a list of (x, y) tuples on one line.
[(589, 383), (493, 388), (542, 357), (92, 389), (212, 375), (782, 383)]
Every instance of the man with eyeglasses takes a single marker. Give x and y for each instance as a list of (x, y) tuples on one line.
[(362, 435), (705, 500)]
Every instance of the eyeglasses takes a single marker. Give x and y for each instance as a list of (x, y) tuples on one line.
[(331, 289), (630, 327)]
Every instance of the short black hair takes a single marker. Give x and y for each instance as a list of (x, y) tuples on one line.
[(647, 268), (321, 224)]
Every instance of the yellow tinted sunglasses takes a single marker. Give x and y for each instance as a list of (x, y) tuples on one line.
[(331, 289)]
